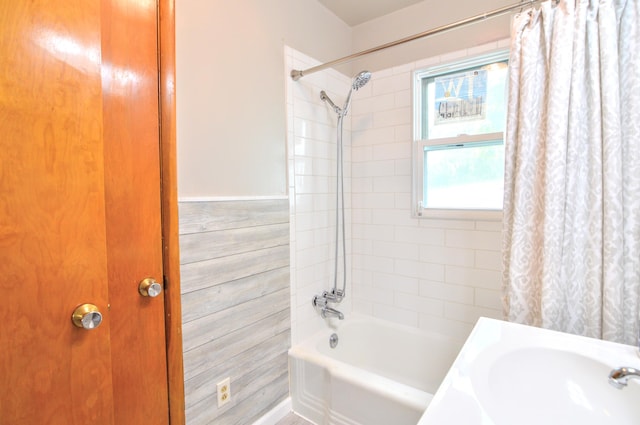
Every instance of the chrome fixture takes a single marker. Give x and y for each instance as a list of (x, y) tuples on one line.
[(333, 340), (620, 376), (337, 295), (325, 311), (358, 82), (326, 98), (331, 312)]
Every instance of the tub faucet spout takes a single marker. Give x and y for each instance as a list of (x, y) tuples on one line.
[(331, 312), (620, 376), (321, 302)]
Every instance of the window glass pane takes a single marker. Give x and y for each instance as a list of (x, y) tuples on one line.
[(467, 101), (464, 176)]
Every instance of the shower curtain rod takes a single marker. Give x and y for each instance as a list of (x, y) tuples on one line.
[(297, 74)]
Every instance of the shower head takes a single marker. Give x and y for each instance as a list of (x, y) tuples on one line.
[(360, 80)]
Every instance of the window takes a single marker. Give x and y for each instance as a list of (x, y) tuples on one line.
[(458, 155)]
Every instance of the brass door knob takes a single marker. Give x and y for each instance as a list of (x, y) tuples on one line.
[(86, 316), (149, 288)]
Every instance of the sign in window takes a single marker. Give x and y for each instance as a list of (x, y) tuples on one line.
[(460, 97)]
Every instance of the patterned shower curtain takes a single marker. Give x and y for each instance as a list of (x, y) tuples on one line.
[(571, 245)]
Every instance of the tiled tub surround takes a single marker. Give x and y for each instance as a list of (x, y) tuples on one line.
[(236, 307), (312, 189), (434, 274)]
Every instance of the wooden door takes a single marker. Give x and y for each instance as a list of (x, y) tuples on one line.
[(80, 213), (133, 202)]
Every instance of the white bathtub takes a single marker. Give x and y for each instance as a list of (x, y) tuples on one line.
[(379, 373)]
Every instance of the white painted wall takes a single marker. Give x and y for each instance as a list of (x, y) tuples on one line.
[(427, 15), (231, 124), (230, 84)]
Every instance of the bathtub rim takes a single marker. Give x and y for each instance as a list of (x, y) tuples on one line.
[(402, 393)]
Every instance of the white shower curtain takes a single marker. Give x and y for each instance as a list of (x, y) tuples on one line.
[(571, 247)]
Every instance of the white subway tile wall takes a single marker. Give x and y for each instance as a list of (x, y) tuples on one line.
[(311, 143), (438, 275)]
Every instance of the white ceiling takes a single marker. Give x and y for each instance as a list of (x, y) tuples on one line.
[(354, 12)]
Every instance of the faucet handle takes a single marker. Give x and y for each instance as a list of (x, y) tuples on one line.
[(319, 301), (339, 293)]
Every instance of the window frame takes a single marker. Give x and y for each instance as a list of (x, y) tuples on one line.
[(419, 144)]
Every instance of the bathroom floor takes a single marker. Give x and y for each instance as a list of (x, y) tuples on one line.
[(293, 419)]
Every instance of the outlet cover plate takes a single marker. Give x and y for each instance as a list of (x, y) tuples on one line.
[(224, 392)]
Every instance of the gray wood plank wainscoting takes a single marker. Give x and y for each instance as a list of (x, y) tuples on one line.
[(234, 258)]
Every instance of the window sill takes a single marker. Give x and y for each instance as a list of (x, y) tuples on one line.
[(461, 214)]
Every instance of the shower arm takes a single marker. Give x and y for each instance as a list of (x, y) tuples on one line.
[(341, 112), (324, 97)]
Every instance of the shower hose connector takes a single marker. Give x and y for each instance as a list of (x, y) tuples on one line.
[(335, 296)]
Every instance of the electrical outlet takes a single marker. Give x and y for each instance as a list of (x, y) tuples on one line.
[(224, 392)]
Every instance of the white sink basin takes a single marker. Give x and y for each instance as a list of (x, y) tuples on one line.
[(509, 374), (551, 386)]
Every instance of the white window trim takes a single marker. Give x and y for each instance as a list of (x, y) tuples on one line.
[(418, 144)]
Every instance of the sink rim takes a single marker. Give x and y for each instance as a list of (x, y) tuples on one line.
[(569, 386), (456, 400)]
